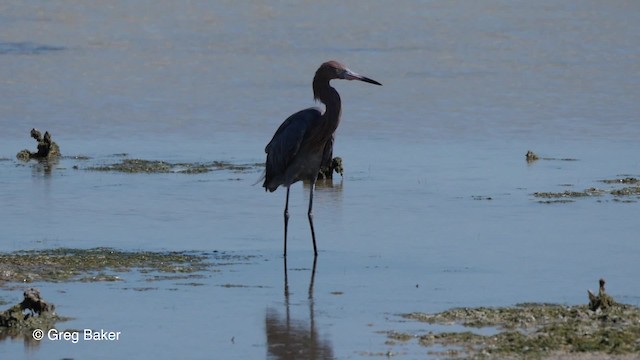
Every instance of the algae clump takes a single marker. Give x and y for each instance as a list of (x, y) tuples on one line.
[(534, 330), (134, 166), (70, 264)]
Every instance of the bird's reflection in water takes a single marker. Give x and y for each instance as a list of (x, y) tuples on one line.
[(288, 338), (331, 190), (327, 184)]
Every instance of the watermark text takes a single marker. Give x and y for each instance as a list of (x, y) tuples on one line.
[(75, 336)]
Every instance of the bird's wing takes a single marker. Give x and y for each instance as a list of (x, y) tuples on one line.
[(286, 142)]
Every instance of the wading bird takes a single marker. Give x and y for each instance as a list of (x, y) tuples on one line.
[(304, 141)]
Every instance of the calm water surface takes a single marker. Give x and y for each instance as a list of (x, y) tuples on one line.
[(435, 209)]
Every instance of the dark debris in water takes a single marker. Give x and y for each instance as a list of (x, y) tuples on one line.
[(481, 197), (26, 48), (629, 191), (93, 265), (535, 330), (626, 180), (558, 201), (531, 157), (158, 166), (176, 277), (230, 286)]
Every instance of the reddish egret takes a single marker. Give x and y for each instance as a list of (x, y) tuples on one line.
[(305, 140)]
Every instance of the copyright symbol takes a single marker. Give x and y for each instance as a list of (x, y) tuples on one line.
[(38, 334)]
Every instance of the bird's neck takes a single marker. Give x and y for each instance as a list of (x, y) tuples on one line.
[(331, 99)]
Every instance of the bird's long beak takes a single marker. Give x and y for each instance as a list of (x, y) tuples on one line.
[(350, 75)]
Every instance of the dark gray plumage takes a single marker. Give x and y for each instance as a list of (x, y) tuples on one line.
[(304, 141)]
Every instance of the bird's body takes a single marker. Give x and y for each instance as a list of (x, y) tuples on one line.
[(293, 154), (304, 141)]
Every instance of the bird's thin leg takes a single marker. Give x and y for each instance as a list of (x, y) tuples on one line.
[(286, 222), (313, 276), (310, 214)]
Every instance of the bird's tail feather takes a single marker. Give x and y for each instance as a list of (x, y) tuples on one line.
[(261, 178)]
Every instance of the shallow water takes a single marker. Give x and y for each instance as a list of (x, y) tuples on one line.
[(435, 209)]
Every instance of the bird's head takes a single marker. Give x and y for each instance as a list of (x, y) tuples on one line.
[(334, 70)]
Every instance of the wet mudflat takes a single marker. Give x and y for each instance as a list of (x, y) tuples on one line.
[(162, 113), (353, 305)]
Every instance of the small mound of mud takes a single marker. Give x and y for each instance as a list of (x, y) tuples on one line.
[(47, 148), (133, 166), (326, 172), (602, 300), (30, 314), (535, 330), (531, 156)]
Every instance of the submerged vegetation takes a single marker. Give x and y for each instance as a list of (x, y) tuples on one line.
[(157, 166), (570, 194), (133, 166), (629, 192), (92, 264)]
